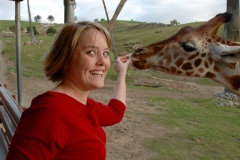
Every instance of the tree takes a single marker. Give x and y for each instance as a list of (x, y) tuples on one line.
[(174, 22), (37, 18), (50, 18), (30, 23)]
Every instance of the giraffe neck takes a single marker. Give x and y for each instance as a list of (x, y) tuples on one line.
[(228, 74), (193, 66)]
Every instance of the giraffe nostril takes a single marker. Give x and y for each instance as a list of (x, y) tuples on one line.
[(139, 50)]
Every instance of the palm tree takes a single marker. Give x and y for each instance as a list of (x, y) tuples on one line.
[(30, 23)]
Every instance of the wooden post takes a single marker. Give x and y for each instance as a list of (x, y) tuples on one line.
[(231, 29)]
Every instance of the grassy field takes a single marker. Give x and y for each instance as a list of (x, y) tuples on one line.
[(199, 128)]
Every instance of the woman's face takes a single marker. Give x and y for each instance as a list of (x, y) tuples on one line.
[(90, 62)]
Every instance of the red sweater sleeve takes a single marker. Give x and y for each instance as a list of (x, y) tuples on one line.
[(109, 114)]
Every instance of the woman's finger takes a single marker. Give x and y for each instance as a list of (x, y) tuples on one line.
[(124, 59)]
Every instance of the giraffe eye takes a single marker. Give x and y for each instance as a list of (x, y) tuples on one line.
[(188, 48)]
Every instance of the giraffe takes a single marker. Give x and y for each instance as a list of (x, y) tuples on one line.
[(195, 52)]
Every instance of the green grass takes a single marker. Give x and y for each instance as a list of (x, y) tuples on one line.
[(205, 81), (198, 128), (5, 24)]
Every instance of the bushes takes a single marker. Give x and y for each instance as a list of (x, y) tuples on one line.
[(12, 28), (34, 30), (51, 31)]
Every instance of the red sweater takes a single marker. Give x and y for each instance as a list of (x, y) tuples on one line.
[(58, 127)]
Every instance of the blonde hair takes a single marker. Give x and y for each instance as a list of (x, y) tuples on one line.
[(61, 51)]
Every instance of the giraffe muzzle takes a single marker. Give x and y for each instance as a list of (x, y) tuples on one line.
[(142, 64)]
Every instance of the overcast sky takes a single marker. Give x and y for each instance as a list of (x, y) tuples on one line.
[(184, 11)]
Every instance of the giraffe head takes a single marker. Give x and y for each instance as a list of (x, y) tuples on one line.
[(196, 52)]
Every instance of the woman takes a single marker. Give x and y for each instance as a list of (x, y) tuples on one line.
[(64, 123)]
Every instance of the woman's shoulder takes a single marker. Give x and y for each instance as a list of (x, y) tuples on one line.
[(51, 97), (52, 101)]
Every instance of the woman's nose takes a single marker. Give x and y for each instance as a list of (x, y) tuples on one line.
[(101, 60)]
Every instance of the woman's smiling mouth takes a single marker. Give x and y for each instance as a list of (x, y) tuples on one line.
[(97, 73)]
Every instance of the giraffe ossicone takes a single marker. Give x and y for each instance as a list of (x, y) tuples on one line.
[(195, 52)]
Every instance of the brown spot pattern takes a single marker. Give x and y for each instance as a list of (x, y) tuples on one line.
[(189, 73), (179, 72), (231, 65), (175, 55), (179, 62), (197, 62), (173, 69), (192, 57), (157, 48), (203, 55), (160, 62), (197, 75), (210, 61), (206, 64), (210, 75), (187, 66), (234, 81), (215, 68), (201, 70), (169, 60)]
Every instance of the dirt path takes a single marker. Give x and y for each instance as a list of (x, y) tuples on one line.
[(124, 140)]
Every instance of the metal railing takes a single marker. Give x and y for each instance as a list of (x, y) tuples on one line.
[(10, 114)]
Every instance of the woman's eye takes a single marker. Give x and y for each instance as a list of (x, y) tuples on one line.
[(106, 54), (91, 52), (188, 48)]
